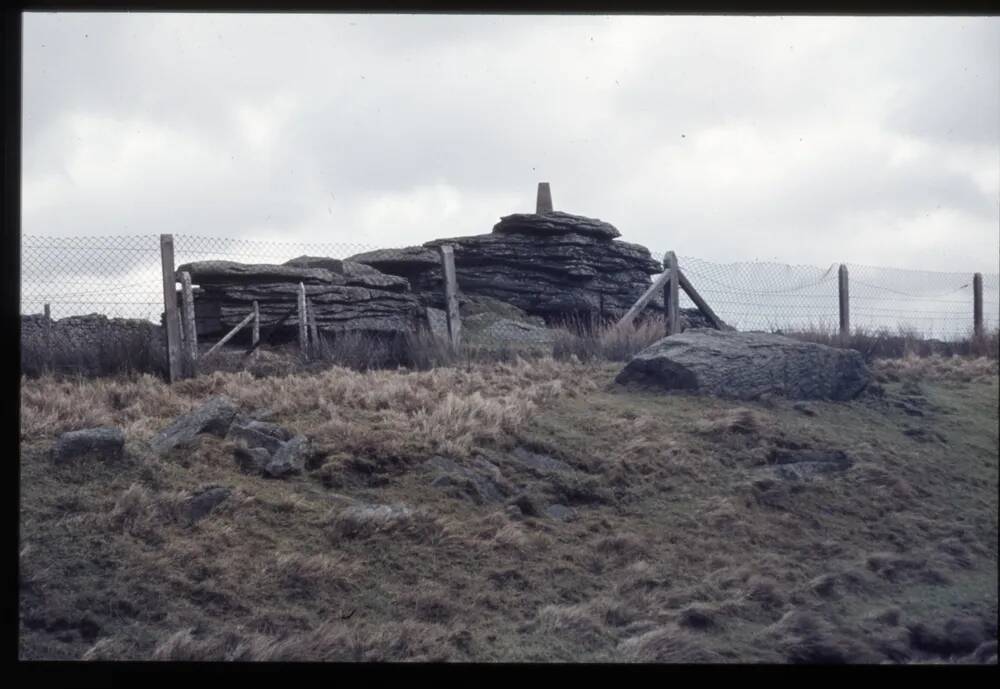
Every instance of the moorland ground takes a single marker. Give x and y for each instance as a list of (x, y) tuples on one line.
[(630, 525)]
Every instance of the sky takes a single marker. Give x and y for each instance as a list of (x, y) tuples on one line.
[(802, 140)]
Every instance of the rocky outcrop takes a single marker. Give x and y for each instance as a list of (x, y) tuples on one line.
[(345, 296), (554, 265), (748, 365)]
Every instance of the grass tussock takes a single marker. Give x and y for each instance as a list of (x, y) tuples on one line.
[(916, 368), (607, 341)]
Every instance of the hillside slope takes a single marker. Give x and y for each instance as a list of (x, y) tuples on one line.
[(534, 511)]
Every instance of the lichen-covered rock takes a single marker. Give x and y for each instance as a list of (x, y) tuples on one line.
[(747, 365), (214, 417), (290, 458), (107, 444)]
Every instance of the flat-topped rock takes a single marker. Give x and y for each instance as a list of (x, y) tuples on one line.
[(555, 222), (214, 272), (747, 365)]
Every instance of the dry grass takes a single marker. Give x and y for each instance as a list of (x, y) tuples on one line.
[(683, 546), (607, 341), (888, 343), (385, 414)]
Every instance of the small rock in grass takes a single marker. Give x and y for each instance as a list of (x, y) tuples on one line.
[(559, 512), (105, 443), (214, 417), (202, 502), (252, 459), (289, 459)]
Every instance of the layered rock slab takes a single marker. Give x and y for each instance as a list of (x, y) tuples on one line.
[(345, 296), (554, 265)]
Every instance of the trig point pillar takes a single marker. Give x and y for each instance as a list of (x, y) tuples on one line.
[(544, 202)]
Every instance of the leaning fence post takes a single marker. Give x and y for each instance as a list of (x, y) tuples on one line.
[(255, 338), (671, 294), (845, 303), (451, 295), (977, 304), (190, 326), (170, 307), (313, 327), (303, 329)]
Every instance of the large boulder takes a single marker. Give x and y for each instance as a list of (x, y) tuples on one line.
[(747, 365)]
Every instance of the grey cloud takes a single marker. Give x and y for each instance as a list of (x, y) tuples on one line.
[(385, 105)]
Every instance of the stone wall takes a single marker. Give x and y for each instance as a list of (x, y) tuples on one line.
[(91, 344)]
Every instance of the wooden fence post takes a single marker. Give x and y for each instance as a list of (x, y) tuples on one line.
[(451, 295), (255, 337), (543, 201), (48, 337), (845, 303), (977, 304), (313, 328), (170, 307), (190, 327), (303, 325), (671, 294)]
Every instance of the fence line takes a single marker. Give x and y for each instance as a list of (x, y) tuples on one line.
[(120, 277)]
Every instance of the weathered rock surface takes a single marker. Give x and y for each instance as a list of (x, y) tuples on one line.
[(290, 458), (345, 296), (554, 265), (105, 443), (482, 483), (201, 503), (214, 417), (556, 222), (748, 365)]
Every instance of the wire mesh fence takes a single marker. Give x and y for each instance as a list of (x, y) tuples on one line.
[(104, 297)]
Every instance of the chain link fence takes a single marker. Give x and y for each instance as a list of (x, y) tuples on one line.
[(95, 304)]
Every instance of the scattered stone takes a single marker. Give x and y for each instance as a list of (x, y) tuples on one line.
[(289, 459), (747, 365), (252, 460), (214, 417), (254, 438), (804, 408), (202, 502), (560, 513), (105, 443), (698, 616), (483, 482), (529, 505), (540, 464)]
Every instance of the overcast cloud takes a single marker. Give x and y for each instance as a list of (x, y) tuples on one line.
[(800, 140)]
